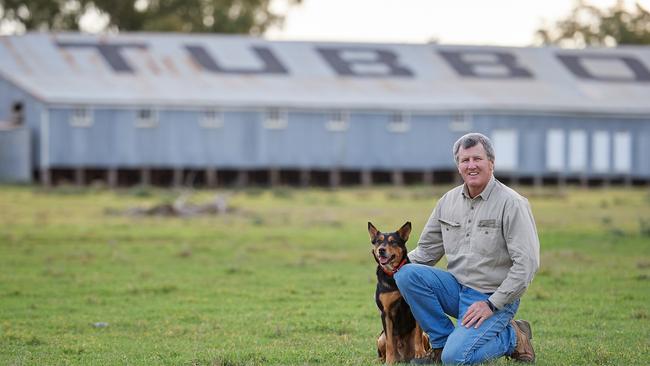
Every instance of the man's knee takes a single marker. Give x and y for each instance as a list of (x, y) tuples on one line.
[(405, 276), (408, 277), (453, 354), (418, 274)]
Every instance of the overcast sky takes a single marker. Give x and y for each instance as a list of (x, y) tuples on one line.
[(472, 22)]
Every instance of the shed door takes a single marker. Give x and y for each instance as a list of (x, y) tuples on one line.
[(600, 152), (505, 149), (622, 152), (555, 150)]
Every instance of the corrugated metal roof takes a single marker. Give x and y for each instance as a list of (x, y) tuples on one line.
[(200, 70)]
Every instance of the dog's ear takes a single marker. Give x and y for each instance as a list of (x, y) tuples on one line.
[(404, 231), (372, 230)]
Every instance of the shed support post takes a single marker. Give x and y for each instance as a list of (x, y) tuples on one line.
[(514, 180), (304, 178), (177, 178), (145, 176), (627, 180), (46, 177), (427, 177), (211, 177), (366, 177), (79, 176), (335, 178), (584, 182), (458, 180), (274, 177), (242, 178), (112, 177), (607, 181), (561, 181), (397, 178)]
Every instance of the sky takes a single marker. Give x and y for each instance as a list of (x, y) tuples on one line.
[(470, 22)]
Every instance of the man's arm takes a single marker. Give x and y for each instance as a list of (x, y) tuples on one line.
[(430, 248), (523, 245)]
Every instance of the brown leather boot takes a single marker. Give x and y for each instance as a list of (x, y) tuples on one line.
[(433, 356), (524, 351)]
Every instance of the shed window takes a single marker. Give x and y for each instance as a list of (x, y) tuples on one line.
[(577, 150), (460, 122), (211, 118), (506, 150), (622, 152), (600, 151), (338, 122), (399, 123), (81, 117), (17, 116), (146, 118), (275, 119), (555, 150)]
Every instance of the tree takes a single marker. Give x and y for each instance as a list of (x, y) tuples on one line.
[(218, 16), (587, 25)]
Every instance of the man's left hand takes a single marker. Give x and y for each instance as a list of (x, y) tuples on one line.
[(476, 314)]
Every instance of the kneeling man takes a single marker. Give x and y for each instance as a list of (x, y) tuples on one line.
[(488, 234)]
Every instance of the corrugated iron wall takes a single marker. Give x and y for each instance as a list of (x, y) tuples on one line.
[(15, 155)]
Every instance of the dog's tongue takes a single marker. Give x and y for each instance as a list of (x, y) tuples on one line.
[(383, 260)]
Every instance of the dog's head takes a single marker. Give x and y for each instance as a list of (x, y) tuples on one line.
[(389, 249)]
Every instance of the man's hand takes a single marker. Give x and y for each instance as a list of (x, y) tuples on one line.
[(476, 313)]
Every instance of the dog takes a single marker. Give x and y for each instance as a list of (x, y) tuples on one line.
[(401, 339)]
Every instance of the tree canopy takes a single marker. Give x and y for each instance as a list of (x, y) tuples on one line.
[(588, 25), (218, 16)]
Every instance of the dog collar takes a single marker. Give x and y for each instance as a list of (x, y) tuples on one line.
[(391, 273)]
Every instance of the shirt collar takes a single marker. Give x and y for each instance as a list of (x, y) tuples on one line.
[(486, 191)]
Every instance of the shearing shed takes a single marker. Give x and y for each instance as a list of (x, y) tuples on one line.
[(210, 110)]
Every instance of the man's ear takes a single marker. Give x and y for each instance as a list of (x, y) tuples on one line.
[(372, 230), (404, 231)]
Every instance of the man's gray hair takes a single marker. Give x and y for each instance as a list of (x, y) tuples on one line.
[(470, 140)]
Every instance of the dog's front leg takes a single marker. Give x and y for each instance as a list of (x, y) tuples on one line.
[(421, 342), (391, 345)]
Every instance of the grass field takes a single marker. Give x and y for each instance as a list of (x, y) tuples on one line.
[(287, 277)]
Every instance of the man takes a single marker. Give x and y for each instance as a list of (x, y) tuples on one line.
[(488, 234)]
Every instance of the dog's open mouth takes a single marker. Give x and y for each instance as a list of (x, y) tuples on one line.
[(385, 260)]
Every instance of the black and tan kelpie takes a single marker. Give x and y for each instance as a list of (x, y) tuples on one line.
[(402, 339)]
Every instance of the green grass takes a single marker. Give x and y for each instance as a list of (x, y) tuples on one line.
[(287, 278)]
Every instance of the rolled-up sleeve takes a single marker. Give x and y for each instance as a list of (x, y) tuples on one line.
[(523, 246), (430, 248)]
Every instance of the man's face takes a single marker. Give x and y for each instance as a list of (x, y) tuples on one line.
[(475, 168)]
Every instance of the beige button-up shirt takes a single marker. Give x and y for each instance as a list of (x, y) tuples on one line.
[(490, 241)]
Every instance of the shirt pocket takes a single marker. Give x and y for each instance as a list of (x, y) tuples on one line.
[(489, 238), (451, 235)]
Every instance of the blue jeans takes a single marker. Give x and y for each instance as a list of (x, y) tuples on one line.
[(433, 294)]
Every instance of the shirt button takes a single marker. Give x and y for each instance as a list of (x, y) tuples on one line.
[(470, 220), (467, 235), (472, 207)]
